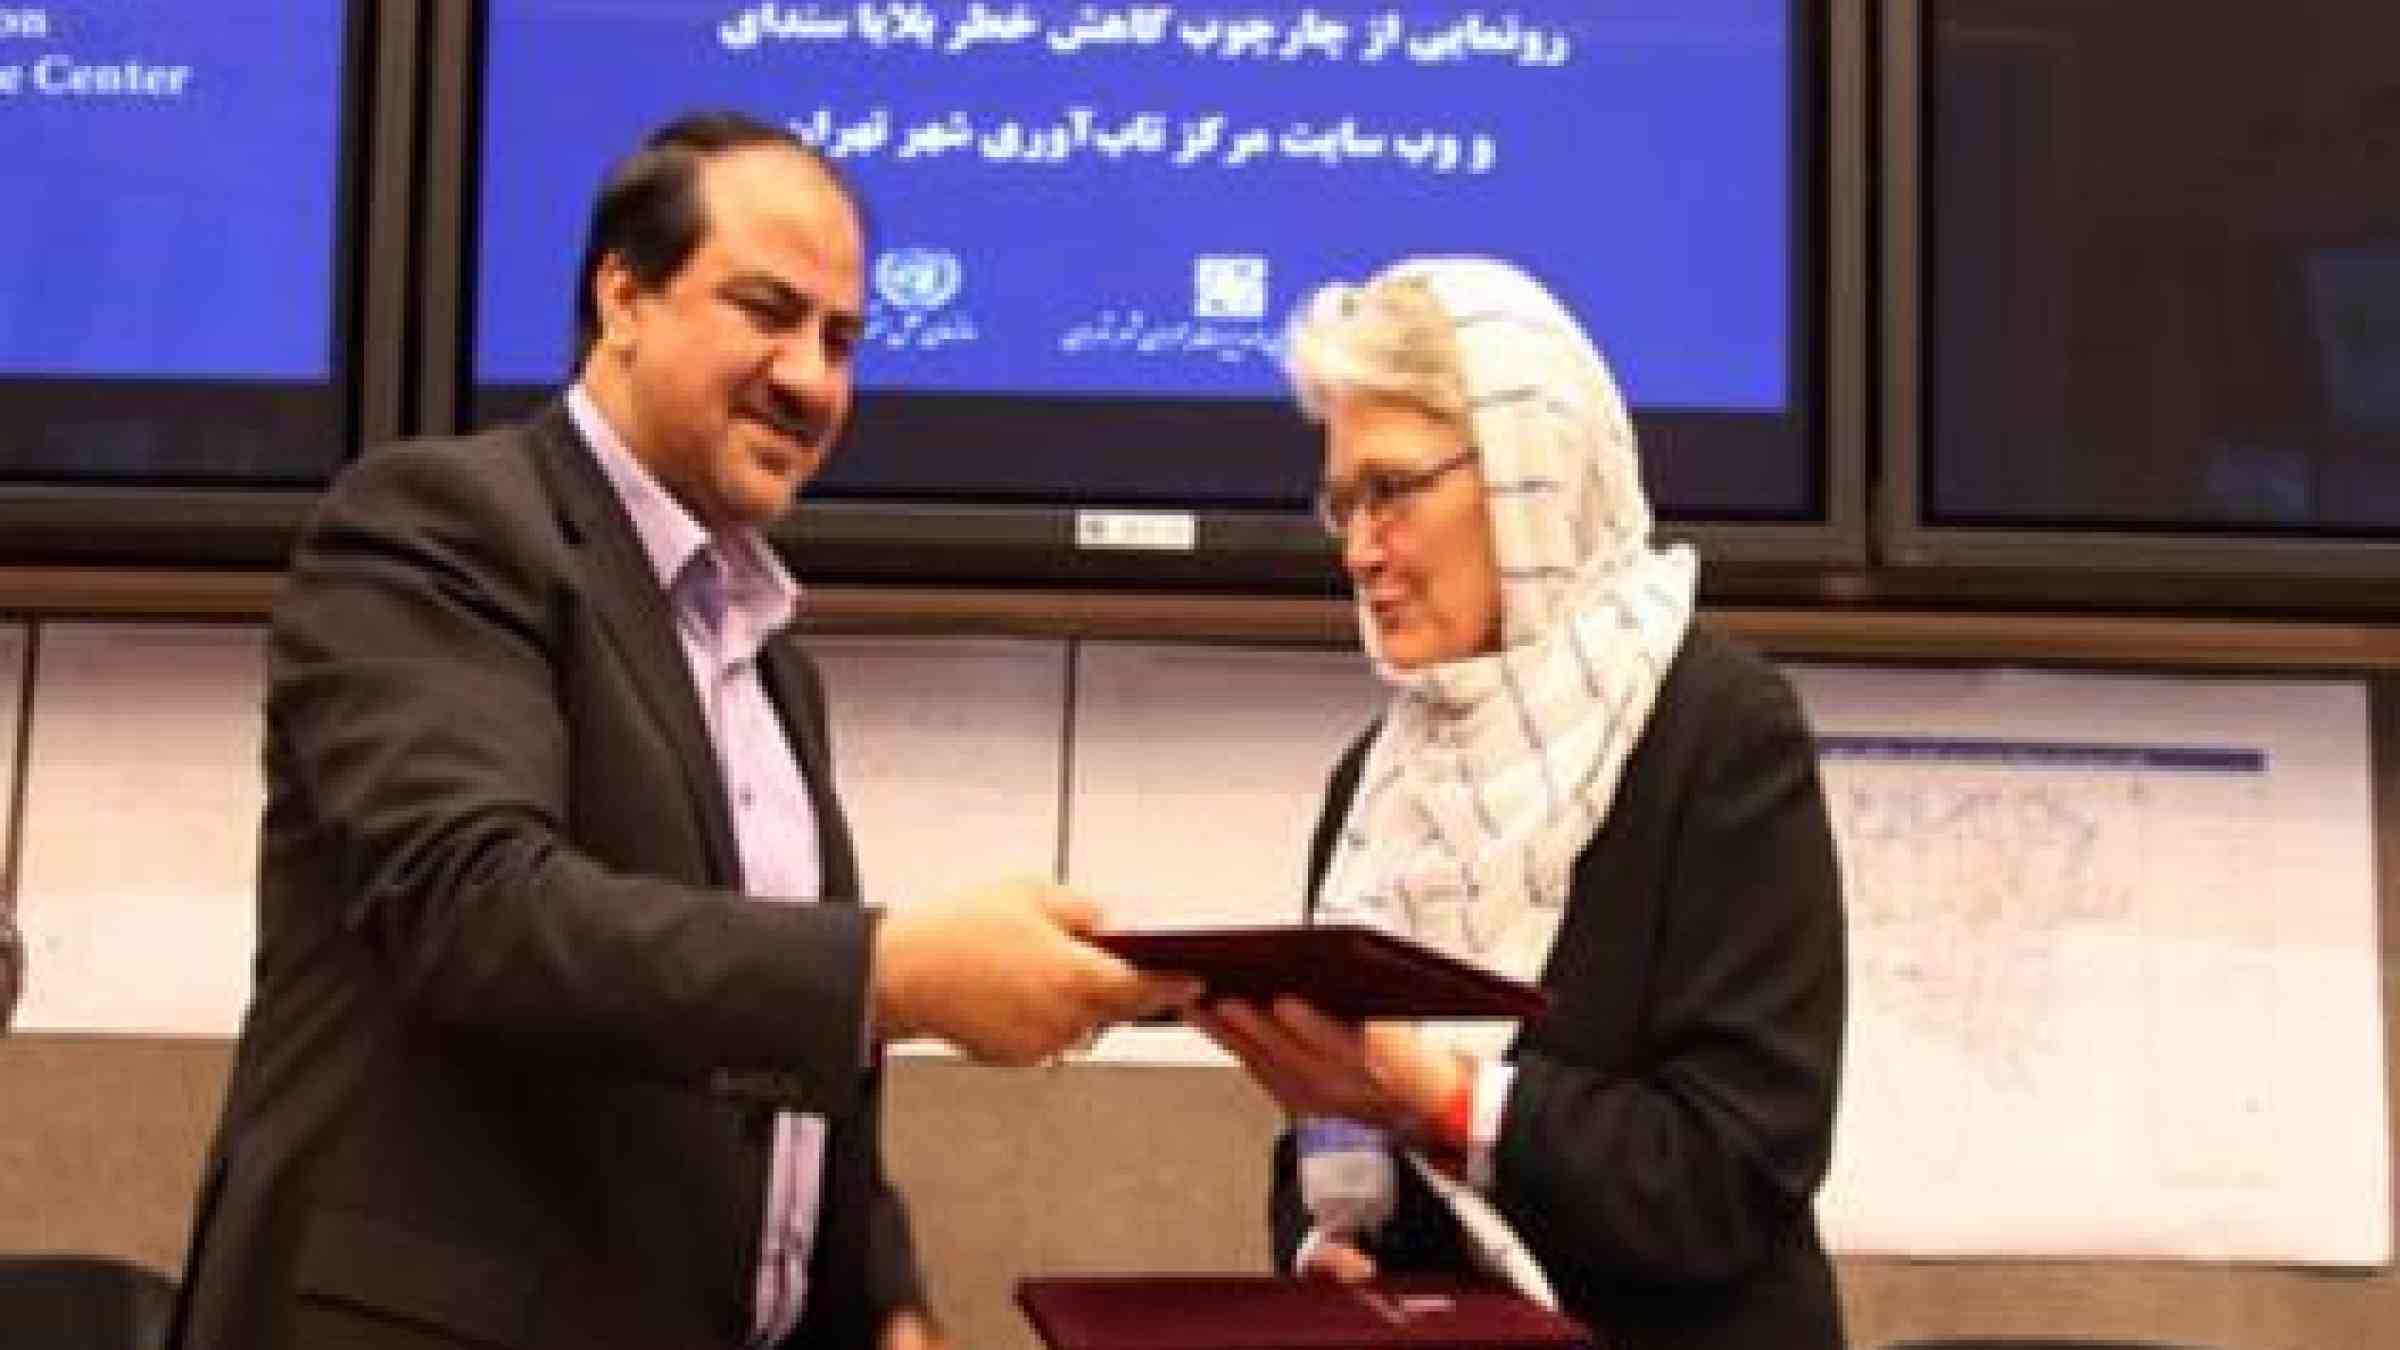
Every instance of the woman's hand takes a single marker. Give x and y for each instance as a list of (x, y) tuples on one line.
[(1333, 1259), (1382, 1073), (909, 1329)]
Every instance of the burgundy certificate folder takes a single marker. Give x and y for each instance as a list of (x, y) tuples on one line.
[(1343, 970), (1266, 1312)]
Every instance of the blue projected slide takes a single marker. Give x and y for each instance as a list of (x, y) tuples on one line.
[(170, 174), (1127, 200)]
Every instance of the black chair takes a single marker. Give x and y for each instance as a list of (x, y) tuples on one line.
[(64, 1301)]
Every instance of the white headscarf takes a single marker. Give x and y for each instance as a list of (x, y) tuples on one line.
[(1492, 773)]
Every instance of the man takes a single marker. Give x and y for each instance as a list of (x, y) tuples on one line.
[(523, 1066)]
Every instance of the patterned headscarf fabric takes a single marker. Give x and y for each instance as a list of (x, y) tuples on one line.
[(1492, 773)]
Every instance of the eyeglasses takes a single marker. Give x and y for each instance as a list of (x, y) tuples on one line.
[(1378, 492)]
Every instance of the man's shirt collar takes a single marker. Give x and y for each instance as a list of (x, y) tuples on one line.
[(752, 577)]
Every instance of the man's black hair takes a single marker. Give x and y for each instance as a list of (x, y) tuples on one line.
[(650, 214)]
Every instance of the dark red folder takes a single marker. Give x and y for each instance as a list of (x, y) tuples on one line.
[(1343, 970), (1265, 1312)]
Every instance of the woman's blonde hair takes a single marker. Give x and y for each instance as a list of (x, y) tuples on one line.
[(1387, 339)]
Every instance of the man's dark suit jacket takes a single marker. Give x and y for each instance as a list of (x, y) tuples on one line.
[(1672, 1113), (505, 983)]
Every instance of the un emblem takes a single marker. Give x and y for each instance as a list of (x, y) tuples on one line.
[(917, 280)]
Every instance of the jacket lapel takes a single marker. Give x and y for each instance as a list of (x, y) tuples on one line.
[(632, 609)]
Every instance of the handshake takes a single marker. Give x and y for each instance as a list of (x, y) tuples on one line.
[(1004, 974)]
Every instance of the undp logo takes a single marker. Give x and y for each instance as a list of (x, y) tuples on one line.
[(918, 279)]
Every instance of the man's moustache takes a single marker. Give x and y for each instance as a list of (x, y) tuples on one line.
[(791, 422)]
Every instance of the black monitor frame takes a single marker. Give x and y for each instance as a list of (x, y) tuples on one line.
[(2061, 566), (169, 524), (1034, 544)]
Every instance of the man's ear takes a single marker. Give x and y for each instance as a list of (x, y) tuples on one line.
[(614, 291)]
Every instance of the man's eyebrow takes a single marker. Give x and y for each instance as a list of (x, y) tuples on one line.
[(774, 289), (767, 285)]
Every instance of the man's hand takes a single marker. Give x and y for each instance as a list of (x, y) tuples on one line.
[(1002, 974), (1382, 1073)]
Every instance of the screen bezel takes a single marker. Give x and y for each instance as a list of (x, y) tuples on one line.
[(997, 542)]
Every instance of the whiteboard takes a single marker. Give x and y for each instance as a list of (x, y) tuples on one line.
[(2114, 986), (946, 754), (140, 834), (1198, 773)]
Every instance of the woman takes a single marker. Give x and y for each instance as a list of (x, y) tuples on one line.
[(1572, 784)]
